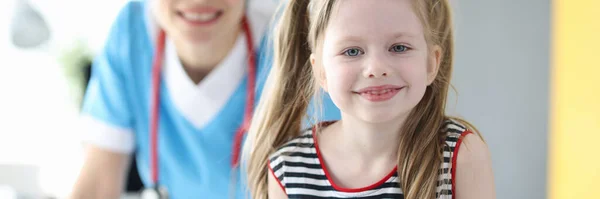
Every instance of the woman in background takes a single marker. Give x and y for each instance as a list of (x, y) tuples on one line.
[(176, 83)]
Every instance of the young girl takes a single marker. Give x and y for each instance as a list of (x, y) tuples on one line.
[(386, 65)]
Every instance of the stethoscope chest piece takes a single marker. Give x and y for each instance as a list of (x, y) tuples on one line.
[(154, 193)]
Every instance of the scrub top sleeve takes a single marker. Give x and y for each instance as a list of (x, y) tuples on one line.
[(107, 116)]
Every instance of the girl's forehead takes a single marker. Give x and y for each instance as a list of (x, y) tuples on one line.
[(375, 16)]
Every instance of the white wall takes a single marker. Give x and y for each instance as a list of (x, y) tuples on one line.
[(501, 73)]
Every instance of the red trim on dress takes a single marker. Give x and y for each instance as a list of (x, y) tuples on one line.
[(454, 158)]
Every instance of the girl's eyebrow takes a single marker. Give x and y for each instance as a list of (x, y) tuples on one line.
[(349, 38), (404, 35), (354, 38)]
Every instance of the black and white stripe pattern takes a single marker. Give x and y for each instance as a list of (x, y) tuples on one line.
[(298, 169)]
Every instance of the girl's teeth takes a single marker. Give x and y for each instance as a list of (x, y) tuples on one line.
[(199, 17), (379, 92)]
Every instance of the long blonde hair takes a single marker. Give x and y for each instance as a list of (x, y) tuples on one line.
[(291, 85)]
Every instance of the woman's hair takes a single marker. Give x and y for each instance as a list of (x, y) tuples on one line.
[(291, 85)]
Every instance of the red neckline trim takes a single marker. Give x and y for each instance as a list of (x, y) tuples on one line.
[(454, 158), (340, 188)]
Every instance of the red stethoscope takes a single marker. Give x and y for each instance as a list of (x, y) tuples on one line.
[(157, 191)]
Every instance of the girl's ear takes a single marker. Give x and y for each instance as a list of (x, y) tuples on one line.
[(318, 72), (434, 64)]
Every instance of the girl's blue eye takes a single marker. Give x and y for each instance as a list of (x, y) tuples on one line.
[(399, 48), (352, 52)]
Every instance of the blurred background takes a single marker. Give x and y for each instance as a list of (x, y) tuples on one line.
[(502, 77), (45, 47), (501, 74)]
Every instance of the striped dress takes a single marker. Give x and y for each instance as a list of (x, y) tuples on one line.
[(297, 166)]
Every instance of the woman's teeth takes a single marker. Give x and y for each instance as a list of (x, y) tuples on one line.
[(200, 17)]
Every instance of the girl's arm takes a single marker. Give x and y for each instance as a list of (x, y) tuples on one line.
[(275, 189), (474, 178)]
